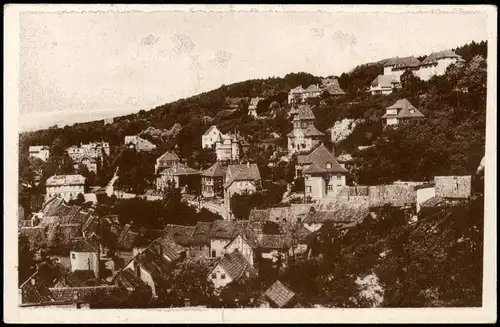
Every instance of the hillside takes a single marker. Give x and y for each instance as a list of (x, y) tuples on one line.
[(451, 139)]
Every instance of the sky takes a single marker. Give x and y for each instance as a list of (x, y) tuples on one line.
[(87, 66)]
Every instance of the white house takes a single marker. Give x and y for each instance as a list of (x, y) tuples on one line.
[(397, 66), (241, 244), (231, 267), (222, 233), (65, 186), (240, 179), (39, 151), (424, 193), (140, 144), (252, 107), (401, 111), (83, 256), (384, 84), (436, 64), (210, 137), (305, 136)]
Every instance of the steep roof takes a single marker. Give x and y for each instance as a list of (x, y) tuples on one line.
[(312, 131), (312, 88), (168, 156), (403, 62), (201, 233), (298, 89), (222, 229), (304, 112), (210, 129), (180, 233), (405, 110), (129, 280), (267, 241), (385, 81), (127, 238), (319, 159), (57, 180), (168, 247), (52, 205), (216, 170), (279, 294), (241, 173), (156, 265), (182, 169), (435, 56), (83, 245), (235, 265)]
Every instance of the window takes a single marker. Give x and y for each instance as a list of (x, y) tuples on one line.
[(214, 275), (213, 253), (308, 189), (222, 276), (330, 188), (73, 256), (328, 165)]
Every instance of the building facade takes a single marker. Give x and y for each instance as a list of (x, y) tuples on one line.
[(240, 179), (212, 181), (140, 144), (305, 136), (401, 111), (39, 151), (65, 186)]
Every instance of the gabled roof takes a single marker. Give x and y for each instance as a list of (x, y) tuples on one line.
[(182, 169), (312, 88), (241, 173), (52, 205), (180, 233), (435, 56), (341, 216), (298, 89), (83, 245), (216, 170), (254, 101), (235, 265), (385, 81), (35, 290), (312, 131), (127, 238), (210, 129), (332, 86), (157, 266), (405, 110), (304, 112), (320, 157), (168, 156), (168, 247), (403, 62), (279, 294), (56, 180), (129, 280), (432, 202), (222, 229), (201, 233), (267, 241)]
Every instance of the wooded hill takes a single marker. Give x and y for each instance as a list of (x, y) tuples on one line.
[(449, 141)]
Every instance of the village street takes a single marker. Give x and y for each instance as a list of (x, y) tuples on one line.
[(211, 205)]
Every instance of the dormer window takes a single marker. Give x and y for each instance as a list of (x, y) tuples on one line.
[(328, 165)]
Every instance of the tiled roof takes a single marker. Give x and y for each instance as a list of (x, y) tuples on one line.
[(35, 290), (405, 110), (239, 227), (312, 131), (168, 156), (222, 229), (312, 88), (458, 187), (403, 62), (235, 265), (182, 169), (127, 238), (58, 180), (304, 112), (210, 129), (216, 170), (83, 245), (385, 81), (128, 279), (78, 277), (180, 233), (279, 294), (435, 56), (201, 233), (332, 86), (432, 202), (298, 89), (168, 247), (67, 294), (266, 241), (341, 216), (241, 172), (38, 148), (321, 156), (50, 207), (156, 265)]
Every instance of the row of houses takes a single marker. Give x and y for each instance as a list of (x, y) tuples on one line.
[(300, 94), (90, 154), (434, 64)]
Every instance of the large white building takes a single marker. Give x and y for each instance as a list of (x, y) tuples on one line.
[(40, 151), (226, 146), (89, 154), (65, 186)]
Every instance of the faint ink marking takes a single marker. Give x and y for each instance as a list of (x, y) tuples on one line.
[(150, 40), (223, 57), (344, 39), (183, 43)]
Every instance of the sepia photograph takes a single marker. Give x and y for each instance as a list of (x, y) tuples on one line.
[(225, 159)]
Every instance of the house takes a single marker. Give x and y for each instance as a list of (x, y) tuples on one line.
[(212, 181), (295, 95), (231, 267), (178, 176), (239, 179), (397, 66), (222, 233), (300, 94), (243, 246), (322, 173), (210, 137), (181, 234), (252, 107), (234, 103), (84, 256), (453, 188), (66, 187), (140, 144), (229, 147), (304, 136), (332, 86), (401, 111), (279, 295), (341, 214), (150, 267), (436, 64), (166, 160), (90, 155), (384, 84), (166, 247), (199, 245), (39, 151)]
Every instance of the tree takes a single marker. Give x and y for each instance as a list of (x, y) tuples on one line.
[(26, 259), (410, 82), (243, 293)]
